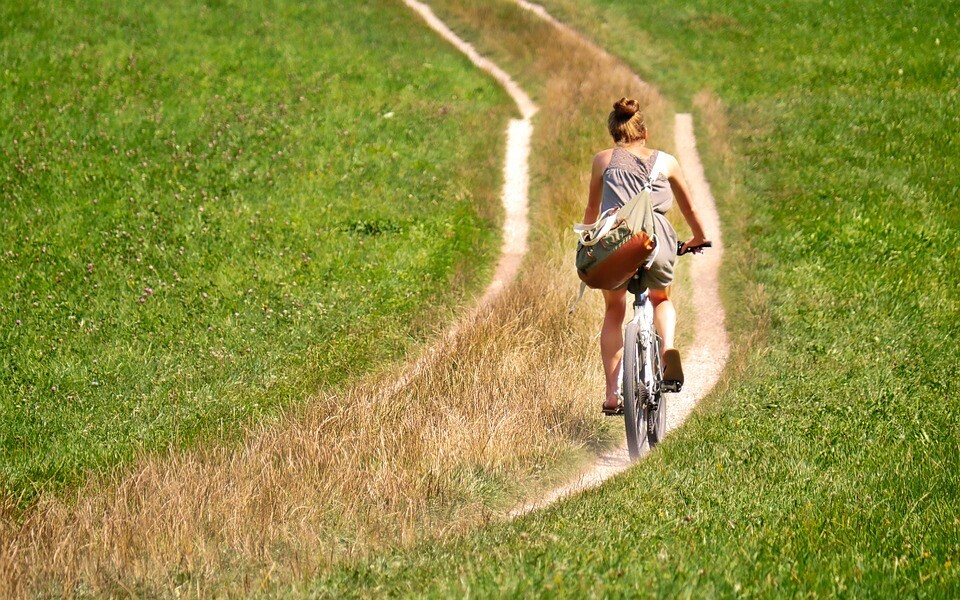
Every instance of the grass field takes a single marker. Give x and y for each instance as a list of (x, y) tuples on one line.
[(827, 463), (370, 465), (210, 211), (824, 465)]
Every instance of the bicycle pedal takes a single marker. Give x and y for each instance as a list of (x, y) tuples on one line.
[(671, 386)]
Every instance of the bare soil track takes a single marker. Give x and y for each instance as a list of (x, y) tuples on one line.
[(706, 358), (516, 180), (704, 361)]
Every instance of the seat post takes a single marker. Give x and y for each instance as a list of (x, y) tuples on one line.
[(640, 299)]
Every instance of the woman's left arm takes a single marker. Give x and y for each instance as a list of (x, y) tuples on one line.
[(682, 194)]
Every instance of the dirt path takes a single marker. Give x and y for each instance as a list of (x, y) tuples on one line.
[(516, 169), (705, 359), (514, 196)]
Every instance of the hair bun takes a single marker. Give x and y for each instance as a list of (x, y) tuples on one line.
[(625, 108)]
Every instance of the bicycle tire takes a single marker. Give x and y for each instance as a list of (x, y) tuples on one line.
[(657, 423), (634, 392)]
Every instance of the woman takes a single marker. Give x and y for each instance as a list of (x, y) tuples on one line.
[(619, 174)]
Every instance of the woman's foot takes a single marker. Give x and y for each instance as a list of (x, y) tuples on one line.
[(672, 370), (612, 406)]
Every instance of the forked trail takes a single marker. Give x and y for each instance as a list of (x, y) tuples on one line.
[(329, 481), (707, 356)]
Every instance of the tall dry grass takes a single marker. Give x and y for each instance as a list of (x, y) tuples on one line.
[(507, 397)]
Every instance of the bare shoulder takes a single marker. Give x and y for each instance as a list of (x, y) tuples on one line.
[(602, 159), (669, 165)]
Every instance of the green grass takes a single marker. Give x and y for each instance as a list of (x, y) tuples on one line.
[(829, 464), (209, 211)]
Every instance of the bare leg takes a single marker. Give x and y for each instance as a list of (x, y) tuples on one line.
[(664, 316), (611, 341)]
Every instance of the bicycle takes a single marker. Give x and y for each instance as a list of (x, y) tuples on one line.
[(644, 402)]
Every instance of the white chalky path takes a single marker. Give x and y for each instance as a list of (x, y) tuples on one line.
[(705, 359), (516, 167)]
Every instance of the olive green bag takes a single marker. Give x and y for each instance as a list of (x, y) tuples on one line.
[(621, 241)]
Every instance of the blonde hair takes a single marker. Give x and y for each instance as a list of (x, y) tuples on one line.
[(626, 122)]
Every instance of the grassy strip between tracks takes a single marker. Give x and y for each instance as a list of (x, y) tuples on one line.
[(826, 463), (209, 210)]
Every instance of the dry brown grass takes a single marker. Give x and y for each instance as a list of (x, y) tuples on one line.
[(505, 399)]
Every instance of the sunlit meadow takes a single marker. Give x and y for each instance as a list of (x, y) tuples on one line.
[(207, 211)]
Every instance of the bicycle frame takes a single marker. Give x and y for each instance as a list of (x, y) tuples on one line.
[(642, 390), (643, 316)]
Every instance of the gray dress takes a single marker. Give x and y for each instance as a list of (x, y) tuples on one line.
[(622, 180)]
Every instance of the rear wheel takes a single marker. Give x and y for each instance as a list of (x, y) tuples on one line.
[(657, 419), (634, 392)]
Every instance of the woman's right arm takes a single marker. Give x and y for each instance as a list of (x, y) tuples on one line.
[(600, 162)]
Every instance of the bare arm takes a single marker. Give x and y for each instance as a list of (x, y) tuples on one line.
[(682, 194), (600, 162)]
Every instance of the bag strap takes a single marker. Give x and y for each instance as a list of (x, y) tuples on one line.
[(649, 225), (583, 288), (654, 171), (590, 234)]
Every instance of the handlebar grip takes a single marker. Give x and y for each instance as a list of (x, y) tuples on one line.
[(693, 249)]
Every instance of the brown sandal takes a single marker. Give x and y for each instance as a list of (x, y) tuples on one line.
[(612, 411)]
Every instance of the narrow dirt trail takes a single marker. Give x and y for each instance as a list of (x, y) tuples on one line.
[(514, 196), (704, 360), (516, 168), (707, 355)]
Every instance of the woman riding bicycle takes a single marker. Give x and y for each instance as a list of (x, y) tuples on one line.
[(619, 173)]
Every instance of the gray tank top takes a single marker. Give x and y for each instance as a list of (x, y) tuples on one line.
[(625, 177)]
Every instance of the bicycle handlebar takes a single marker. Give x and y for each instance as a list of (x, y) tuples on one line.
[(692, 249)]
